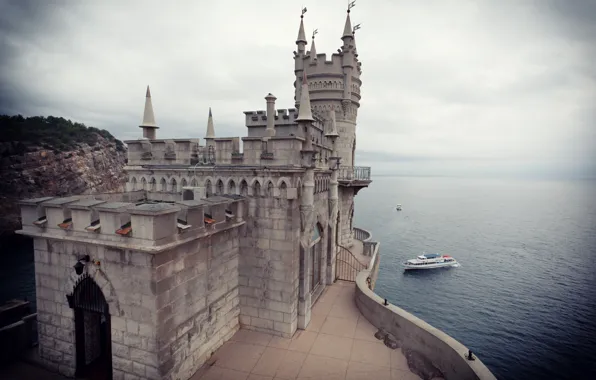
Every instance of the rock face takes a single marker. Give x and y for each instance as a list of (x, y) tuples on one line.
[(30, 171)]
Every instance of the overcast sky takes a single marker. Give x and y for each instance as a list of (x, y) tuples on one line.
[(449, 87)]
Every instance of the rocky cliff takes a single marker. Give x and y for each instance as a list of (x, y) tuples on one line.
[(54, 157)]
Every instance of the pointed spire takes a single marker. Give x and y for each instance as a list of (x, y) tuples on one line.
[(210, 130), (301, 34), (313, 49), (304, 112), (148, 116), (332, 132), (348, 27)]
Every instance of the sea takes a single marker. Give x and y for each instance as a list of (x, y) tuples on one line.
[(523, 299)]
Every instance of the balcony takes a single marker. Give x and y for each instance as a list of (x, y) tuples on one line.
[(354, 176), (354, 173)]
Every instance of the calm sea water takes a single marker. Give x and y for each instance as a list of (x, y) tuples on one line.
[(524, 298)]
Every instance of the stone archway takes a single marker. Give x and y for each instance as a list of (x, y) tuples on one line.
[(93, 341)]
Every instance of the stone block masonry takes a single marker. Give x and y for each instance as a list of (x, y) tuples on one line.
[(269, 266), (168, 310), (196, 288)]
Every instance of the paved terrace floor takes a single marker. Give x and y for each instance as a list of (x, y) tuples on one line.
[(339, 343)]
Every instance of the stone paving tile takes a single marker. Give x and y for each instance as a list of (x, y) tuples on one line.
[(339, 327), (323, 367), (375, 353), (269, 361), (218, 373), (290, 365), (363, 371), (365, 331), (303, 342), (338, 344), (332, 346), (316, 322), (238, 356), (252, 337)]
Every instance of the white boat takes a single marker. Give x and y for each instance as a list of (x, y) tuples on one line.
[(430, 261), (398, 207)]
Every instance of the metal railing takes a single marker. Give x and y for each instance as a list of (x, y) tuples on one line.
[(354, 173), (347, 265), (361, 234)]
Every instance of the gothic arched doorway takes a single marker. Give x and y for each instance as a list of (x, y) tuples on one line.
[(92, 330)]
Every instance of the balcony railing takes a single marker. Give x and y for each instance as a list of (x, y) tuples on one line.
[(354, 173)]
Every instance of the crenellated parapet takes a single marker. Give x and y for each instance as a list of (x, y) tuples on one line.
[(136, 224)]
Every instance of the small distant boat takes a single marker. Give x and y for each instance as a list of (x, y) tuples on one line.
[(430, 261), (398, 207)]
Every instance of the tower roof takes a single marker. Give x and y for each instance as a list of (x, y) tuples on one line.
[(313, 50), (304, 112), (301, 34), (148, 116), (348, 27), (210, 130)]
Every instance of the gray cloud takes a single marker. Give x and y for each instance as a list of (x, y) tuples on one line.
[(447, 86)]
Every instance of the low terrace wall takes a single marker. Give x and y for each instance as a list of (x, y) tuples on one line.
[(412, 333)]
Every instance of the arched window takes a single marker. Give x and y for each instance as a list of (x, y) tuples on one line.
[(231, 187), (133, 181), (220, 187), (243, 188), (163, 185), (174, 185), (184, 182), (269, 189), (283, 190), (208, 189), (153, 184), (193, 183), (256, 189), (143, 184)]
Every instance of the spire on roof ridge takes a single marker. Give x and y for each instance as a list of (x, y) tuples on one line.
[(148, 116), (210, 129), (304, 112)]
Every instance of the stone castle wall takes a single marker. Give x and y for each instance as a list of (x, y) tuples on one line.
[(196, 286), (269, 265), (125, 279)]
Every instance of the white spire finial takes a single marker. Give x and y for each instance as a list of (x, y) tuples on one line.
[(210, 129), (148, 116)]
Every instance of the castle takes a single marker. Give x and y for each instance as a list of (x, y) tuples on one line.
[(207, 239)]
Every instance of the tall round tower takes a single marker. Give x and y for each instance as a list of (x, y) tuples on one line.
[(333, 85)]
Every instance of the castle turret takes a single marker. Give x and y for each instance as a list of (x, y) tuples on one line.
[(299, 58), (210, 130), (347, 60), (149, 126)]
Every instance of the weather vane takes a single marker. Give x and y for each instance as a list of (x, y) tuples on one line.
[(314, 32), (351, 5), (303, 12), (356, 27)]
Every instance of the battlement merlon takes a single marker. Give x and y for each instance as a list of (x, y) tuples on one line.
[(146, 226)]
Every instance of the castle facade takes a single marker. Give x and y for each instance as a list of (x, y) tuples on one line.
[(208, 238)]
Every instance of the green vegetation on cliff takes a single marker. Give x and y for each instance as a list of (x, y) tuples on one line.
[(55, 133)]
